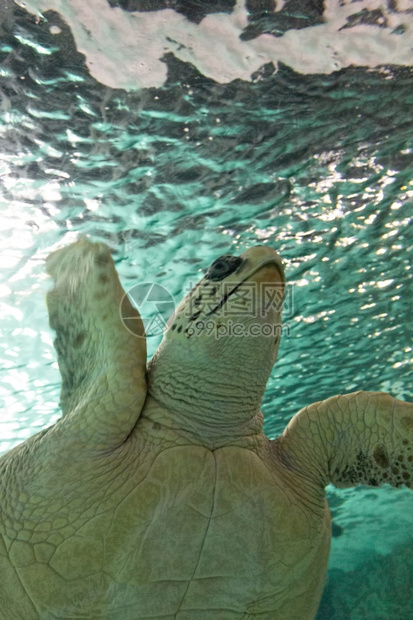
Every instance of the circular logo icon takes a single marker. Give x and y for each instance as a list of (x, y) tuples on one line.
[(155, 305)]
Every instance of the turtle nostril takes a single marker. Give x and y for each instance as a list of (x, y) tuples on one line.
[(222, 267)]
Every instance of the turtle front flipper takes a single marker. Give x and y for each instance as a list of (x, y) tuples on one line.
[(360, 438), (102, 363)]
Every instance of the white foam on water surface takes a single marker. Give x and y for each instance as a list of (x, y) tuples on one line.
[(124, 49)]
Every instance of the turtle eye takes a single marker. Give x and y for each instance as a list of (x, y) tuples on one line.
[(222, 267)]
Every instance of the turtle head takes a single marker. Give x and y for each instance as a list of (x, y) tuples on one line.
[(233, 312), (221, 342)]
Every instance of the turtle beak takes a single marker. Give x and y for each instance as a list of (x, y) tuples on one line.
[(257, 257)]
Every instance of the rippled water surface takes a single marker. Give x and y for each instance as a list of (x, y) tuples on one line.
[(318, 166)]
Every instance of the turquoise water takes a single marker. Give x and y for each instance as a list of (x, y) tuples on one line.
[(318, 166)]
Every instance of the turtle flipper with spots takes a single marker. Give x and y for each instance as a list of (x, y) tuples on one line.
[(157, 494)]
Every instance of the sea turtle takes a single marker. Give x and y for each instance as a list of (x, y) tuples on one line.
[(157, 494)]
